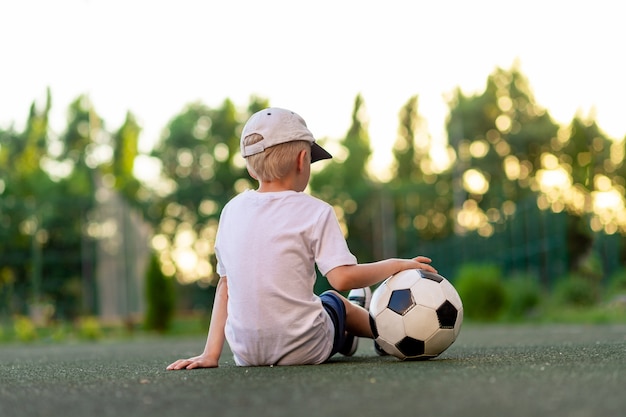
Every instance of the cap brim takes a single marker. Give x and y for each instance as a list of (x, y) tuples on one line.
[(318, 153)]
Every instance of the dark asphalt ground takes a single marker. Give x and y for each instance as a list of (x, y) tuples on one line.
[(522, 370)]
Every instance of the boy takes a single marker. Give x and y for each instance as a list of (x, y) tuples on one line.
[(268, 243)]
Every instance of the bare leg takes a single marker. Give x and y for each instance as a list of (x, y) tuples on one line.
[(357, 320)]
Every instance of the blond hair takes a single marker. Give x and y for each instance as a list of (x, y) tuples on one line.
[(276, 161)]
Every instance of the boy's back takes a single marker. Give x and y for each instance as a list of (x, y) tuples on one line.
[(268, 245)]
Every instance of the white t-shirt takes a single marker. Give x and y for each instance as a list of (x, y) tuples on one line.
[(267, 245)]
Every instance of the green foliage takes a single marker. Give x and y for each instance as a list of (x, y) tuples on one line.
[(89, 328), (575, 290), (589, 315), (617, 283), (25, 330), (524, 297), (125, 150), (482, 291), (160, 297), (60, 332), (404, 150)]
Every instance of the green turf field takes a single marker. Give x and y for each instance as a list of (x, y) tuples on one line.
[(541, 370)]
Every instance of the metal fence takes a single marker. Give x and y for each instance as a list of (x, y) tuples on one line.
[(533, 242)]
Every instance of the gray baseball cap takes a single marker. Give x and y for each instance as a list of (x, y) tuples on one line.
[(278, 126)]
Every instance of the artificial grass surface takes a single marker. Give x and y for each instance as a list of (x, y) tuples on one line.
[(556, 370)]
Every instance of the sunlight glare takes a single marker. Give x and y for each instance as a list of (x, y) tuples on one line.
[(479, 149), (503, 123), (475, 182), (512, 167)]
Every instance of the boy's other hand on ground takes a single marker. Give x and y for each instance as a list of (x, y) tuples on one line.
[(193, 363)]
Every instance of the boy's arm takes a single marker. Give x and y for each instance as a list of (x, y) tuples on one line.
[(215, 340), (347, 277)]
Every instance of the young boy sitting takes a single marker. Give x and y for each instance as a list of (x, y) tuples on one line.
[(268, 243)]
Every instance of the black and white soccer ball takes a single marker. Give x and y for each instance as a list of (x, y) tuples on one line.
[(415, 314)]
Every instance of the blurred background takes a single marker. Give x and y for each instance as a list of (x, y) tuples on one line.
[(108, 217)]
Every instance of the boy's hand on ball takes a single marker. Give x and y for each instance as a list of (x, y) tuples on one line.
[(423, 262)]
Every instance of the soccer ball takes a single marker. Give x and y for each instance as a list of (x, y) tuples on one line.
[(415, 314)]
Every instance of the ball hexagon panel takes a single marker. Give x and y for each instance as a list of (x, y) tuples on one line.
[(404, 279), (390, 348), (380, 299), (428, 293), (390, 326), (421, 323), (438, 342)]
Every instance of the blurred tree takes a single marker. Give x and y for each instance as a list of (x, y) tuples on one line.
[(125, 150), (84, 146), (160, 297), (618, 169), (47, 196), (409, 154), (422, 197), (509, 149), (24, 207), (584, 153), (345, 183), (199, 153), (499, 137)]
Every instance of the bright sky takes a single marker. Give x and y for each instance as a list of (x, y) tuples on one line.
[(152, 57)]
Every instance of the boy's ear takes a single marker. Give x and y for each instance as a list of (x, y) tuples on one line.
[(302, 159)]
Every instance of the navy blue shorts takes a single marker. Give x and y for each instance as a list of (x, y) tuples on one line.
[(337, 312)]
